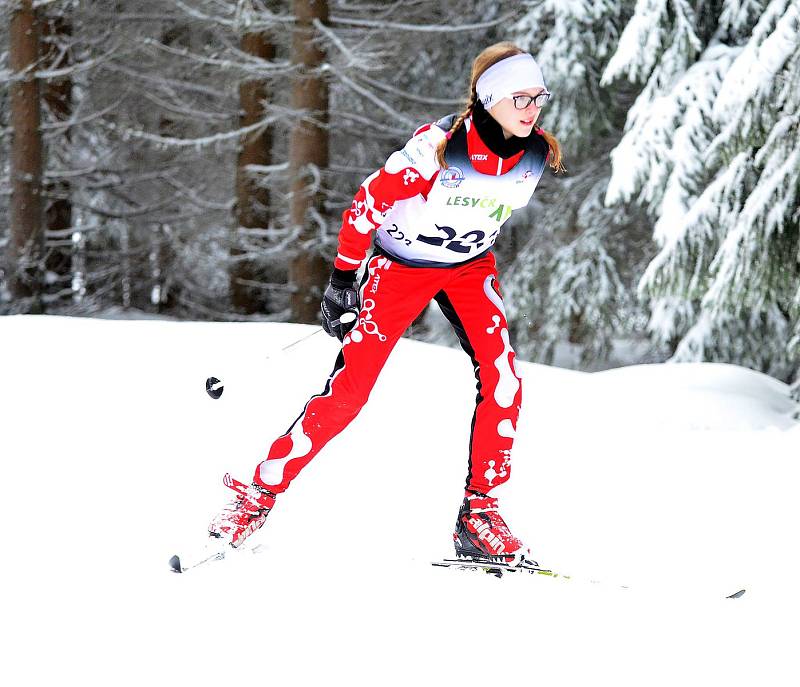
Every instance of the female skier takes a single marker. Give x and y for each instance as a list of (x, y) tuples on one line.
[(436, 209)]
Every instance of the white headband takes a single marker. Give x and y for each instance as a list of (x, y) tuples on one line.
[(512, 74)]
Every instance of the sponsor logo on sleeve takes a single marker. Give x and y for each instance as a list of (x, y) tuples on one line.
[(408, 157)]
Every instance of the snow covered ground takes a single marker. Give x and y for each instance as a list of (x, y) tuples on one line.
[(676, 481)]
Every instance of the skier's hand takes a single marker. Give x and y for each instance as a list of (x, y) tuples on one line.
[(340, 304)]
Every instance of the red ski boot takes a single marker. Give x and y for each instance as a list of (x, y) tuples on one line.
[(482, 534), (244, 515)]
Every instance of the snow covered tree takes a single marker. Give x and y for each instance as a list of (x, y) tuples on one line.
[(165, 156), (712, 150), (572, 278), (573, 42)]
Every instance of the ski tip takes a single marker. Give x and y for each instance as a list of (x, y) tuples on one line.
[(736, 595), (175, 564)]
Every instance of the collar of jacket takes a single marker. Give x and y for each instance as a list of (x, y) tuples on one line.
[(491, 134)]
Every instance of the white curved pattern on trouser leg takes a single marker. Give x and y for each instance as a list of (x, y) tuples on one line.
[(491, 294), (508, 385), (505, 428), (491, 473), (271, 471)]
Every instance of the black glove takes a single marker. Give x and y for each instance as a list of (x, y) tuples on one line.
[(340, 304)]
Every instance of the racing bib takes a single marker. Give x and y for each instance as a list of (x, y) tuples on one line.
[(464, 210)]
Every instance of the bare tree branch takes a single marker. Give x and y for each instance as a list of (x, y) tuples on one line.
[(423, 28), (268, 21), (194, 142), (373, 98), (388, 88), (165, 82), (254, 66)]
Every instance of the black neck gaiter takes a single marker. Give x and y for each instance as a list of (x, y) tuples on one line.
[(491, 134)]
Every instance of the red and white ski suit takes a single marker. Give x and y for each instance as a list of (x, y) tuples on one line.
[(433, 233)]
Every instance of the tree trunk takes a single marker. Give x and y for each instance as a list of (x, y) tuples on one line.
[(308, 158), (58, 205), (252, 202), (26, 238)]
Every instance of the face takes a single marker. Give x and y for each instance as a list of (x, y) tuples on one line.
[(516, 122)]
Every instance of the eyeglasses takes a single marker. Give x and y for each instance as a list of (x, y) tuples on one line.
[(523, 101)]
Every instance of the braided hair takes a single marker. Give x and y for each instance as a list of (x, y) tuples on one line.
[(457, 124)]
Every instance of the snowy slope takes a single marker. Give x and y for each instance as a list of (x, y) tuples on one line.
[(678, 481)]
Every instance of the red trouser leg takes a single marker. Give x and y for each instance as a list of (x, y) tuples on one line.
[(391, 298), (472, 303)]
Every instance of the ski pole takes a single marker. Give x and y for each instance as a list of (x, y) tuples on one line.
[(346, 318)]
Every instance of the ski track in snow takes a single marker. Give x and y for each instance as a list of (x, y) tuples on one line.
[(677, 481)]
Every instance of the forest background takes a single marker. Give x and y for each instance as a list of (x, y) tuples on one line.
[(191, 159)]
